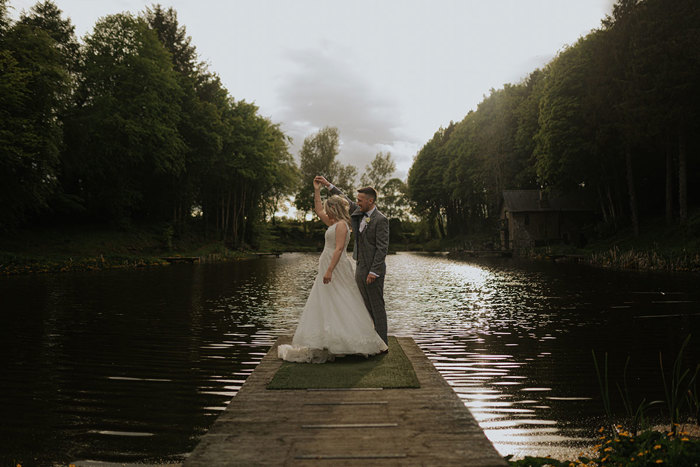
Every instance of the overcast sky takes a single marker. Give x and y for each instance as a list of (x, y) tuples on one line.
[(387, 73)]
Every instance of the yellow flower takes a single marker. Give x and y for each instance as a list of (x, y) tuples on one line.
[(658, 446), (640, 454), (601, 429), (659, 461), (632, 459), (684, 439), (608, 449)]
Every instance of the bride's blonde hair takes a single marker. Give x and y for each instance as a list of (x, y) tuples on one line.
[(337, 208)]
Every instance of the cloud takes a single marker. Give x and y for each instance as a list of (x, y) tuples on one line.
[(324, 88)]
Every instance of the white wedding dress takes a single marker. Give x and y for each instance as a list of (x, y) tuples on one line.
[(335, 321)]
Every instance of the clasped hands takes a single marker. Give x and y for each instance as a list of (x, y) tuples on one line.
[(320, 180)]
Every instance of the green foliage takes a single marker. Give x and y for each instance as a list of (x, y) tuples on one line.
[(122, 135), (394, 200), (604, 385), (318, 157), (34, 89), (632, 443), (613, 117), (678, 386), (646, 449), (378, 172), (174, 37), (649, 448), (127, 126)]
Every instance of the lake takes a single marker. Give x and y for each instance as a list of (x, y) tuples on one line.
[(135, 365)]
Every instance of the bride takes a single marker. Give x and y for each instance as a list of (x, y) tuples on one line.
[(335, 321)]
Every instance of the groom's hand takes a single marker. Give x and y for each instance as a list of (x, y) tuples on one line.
[(322, 180), (370, 278)]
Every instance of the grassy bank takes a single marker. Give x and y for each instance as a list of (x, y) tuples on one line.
[(657, 248), (89, 247)]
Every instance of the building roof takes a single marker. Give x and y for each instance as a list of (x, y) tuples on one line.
[(539, 201)]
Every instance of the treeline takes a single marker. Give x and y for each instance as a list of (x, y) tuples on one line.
[(318, 156), (614, 118), (129, 125)]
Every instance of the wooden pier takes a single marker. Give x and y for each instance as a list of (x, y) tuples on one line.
[(276, 254), (181, 259), (357, 426)]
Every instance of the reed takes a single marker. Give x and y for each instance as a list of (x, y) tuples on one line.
[(651, 259), (677, 387)]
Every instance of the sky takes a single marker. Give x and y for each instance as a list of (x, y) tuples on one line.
[(387, 73)]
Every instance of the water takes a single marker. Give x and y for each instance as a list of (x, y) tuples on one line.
[(135, 365)]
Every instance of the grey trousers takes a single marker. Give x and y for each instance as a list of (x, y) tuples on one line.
[(373, 295)]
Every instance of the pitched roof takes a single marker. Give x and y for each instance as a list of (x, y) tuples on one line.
[(531, 201)]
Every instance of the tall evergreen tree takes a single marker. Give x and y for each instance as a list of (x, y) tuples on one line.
[(122, 135), (36, 85)]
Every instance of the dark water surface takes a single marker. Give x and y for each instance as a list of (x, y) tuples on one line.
[(135, 365)]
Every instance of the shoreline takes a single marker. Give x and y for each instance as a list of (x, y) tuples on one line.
[(616, 259)]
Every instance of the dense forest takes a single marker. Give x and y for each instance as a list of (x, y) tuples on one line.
[(127, 126), (614, 118), (130, 126)]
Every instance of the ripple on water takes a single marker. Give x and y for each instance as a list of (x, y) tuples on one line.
[(126, 366)]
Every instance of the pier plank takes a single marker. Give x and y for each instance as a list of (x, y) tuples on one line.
[(424, 426)]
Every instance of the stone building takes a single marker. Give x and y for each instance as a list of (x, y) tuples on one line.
[(531, 218)]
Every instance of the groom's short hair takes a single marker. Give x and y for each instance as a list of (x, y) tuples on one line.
[(369, 191)]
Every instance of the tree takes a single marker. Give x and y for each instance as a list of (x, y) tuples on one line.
[(35, 87), (394, 200), (124, 144), (198, 117), (379, 171), (429, 195), (46, 16), (174, 37), (318, 157), (4, 18)]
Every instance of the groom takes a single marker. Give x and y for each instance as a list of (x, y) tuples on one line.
[(371, 230)]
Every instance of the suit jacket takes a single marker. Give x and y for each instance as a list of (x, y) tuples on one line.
[(372, 244)]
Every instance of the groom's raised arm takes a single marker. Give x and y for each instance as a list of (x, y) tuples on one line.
[(337, 191)]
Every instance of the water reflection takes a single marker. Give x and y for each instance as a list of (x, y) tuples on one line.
[(135, 365)]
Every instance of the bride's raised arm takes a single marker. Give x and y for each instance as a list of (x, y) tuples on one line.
[(318, 205)]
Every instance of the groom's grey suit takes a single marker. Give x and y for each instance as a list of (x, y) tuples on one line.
[(371, 247)]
